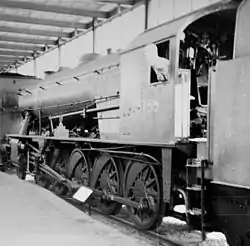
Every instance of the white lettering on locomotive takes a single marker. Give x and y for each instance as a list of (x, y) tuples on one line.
[(150, 106)]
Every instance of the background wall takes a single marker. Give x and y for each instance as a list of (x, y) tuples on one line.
[(161, 11)]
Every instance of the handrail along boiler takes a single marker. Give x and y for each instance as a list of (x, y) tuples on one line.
[(160, 124)]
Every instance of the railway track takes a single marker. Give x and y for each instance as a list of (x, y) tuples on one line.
[(158, 237), (151, 235)]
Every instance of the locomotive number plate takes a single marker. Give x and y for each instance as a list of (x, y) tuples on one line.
[(82, 194)]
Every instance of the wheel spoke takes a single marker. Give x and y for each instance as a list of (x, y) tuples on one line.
[(150, 183), (147, 173), (152, 193), (112, 174), (84, 168), (109, 166), (113, 183), (140, 176)]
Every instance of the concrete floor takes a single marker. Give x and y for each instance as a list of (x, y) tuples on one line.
[(30, 215)]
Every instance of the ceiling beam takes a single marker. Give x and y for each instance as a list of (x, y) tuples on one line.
[(10, 58), (44, 22), (21, 47), (3, 63), (124, 2), (116, 10), (36, 32), (27, 40), (53, 8), (16, 53)]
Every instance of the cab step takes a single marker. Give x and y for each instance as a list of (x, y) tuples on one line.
[(194, 187), (194, 211)]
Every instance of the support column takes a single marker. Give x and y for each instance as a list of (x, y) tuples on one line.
[(59, 47), (146, 13), (118, 9), (35, 64), (16, 65), (94, 34)]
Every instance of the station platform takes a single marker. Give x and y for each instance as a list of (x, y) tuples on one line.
[(30, 215)]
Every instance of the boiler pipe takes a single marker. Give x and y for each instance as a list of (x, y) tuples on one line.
[(87, 111), (67, 114), (103, 109)]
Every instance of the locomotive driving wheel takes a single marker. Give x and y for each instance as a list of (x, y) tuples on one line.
[(82, 171), (79, 167), (142, 185), (107, 177)]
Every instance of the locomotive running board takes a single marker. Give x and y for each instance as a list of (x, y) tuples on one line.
[(93, 140)]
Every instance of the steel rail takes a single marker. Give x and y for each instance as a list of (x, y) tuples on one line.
[(152, 235)]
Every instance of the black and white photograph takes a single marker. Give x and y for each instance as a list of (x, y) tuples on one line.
[(124, 122)]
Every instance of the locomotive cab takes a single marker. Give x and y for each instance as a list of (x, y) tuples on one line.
[(202, 44)]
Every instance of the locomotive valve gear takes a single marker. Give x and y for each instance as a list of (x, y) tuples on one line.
[(159, 64)]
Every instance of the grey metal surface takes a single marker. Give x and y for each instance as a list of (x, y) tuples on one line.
[(147, 110), (242, 37), (167, 173), (230, 105)]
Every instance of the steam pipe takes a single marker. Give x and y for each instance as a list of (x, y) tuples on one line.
[(102, 109), (67, 114), (87, 111)]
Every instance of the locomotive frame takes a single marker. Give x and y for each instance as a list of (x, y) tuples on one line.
[(149, 162)]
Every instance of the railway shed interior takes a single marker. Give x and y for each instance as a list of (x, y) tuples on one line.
[(142, 127), (31, 29)]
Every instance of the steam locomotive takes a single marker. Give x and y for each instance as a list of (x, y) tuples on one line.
[(148, 141)]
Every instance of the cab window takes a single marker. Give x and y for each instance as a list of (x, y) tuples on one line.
[(157, 56)]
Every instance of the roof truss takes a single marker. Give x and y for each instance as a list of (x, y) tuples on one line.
[(44, 22), (21, 47), (10, 58), (27, 40), (16, 53), (53, 8), (36, 32), (2, 63), (123, 2)]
